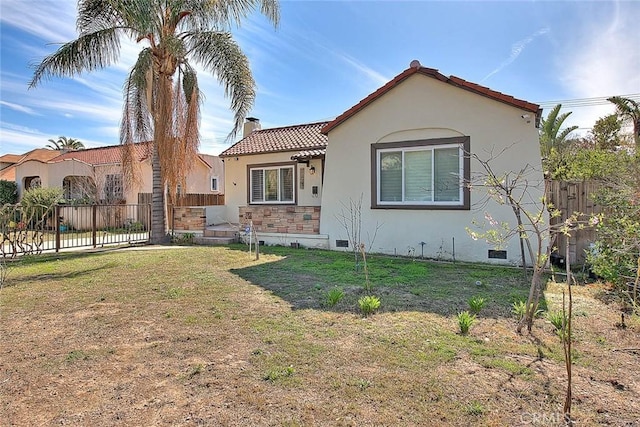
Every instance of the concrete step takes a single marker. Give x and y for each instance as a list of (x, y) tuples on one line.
[(214, 240), (224, 230)]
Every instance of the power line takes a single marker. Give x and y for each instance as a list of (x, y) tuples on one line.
[(586, 102)]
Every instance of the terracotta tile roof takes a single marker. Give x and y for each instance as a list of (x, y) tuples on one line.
[(39, 155), (104, 155), (8, 174), (10, 158), (431, 72), (288, 138), (309, 154)]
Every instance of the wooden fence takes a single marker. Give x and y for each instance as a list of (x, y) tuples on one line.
[(570, 197), (190, 199)]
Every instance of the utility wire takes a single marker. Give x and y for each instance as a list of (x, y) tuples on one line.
[(586, 102)]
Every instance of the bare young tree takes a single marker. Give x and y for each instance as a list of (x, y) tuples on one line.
[(518, 190), (350, 218)]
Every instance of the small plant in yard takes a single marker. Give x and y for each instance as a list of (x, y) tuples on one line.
[(278, 373), (74, 355), (558, 320), (465, 320), (476, 304), (475, 408), (175, 293), (519, 309), (185, 239), (369, 304), (334, 296)]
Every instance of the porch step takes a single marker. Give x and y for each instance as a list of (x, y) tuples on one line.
[(224, 230), (214, 240)]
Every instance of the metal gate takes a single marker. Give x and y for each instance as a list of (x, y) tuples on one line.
[(33, 230)]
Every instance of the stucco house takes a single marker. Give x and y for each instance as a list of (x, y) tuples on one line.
[(404, 151), (273, 181), (97, 173)]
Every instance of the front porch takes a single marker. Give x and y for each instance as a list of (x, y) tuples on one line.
[(284, 225)]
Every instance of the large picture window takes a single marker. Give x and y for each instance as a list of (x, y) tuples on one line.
[(272, 184), (426, 174)]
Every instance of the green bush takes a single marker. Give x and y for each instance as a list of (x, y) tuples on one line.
[(42, 197), (476, 304), (8, 192), (369, 304), (334, 296), (465, 320)]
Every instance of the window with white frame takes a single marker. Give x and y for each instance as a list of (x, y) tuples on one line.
[(425, 174), (214, 183), (271, 184)]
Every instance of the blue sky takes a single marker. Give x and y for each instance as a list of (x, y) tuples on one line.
[(327, 55)]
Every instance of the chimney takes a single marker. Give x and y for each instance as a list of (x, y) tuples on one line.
[(250, 125)]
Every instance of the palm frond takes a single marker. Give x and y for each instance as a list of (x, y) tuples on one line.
[(86, 53), (221, 14), (136, 123), (219, 54)]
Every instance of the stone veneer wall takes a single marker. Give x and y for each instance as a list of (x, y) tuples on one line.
[(282, 219), (189, 218)]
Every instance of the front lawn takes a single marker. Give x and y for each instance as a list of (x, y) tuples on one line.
[(208, 336)]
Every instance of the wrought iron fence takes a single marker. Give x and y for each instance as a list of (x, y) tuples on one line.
[(33, 230)]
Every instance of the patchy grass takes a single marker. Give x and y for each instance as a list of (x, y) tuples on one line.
[(208, 336)]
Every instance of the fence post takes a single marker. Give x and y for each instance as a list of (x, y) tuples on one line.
[(94, 224), (56, 222)]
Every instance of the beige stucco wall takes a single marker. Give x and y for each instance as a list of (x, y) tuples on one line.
[(423, 108), (30, 168), (235, 169), (216, 171), (53, 174)]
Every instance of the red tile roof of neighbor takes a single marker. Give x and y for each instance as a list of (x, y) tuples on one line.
[(303, 137), (416, 68), (38, 154), (104, 155), (10, 158)]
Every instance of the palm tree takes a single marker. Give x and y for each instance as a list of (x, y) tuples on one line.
[(64, 143), (552, 136), (176, 33), (628, 109)]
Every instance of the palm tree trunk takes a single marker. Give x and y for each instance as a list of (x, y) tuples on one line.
[(158, 228)]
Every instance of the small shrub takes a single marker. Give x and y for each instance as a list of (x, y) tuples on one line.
[(465, 320), (8, 192), (475, 408), (184, 239), (369, 304), (557, 319), (476, 304), (334, 296), (519, 309), (278, 373)]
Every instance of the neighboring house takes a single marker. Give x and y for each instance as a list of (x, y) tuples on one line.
[(10, 162), (96, 174), (401, 150)]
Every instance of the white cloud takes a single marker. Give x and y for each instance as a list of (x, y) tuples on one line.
[(20, 108), (602, 59), (516, 50)]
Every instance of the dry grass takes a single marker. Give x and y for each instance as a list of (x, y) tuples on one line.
[(207, 336)]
